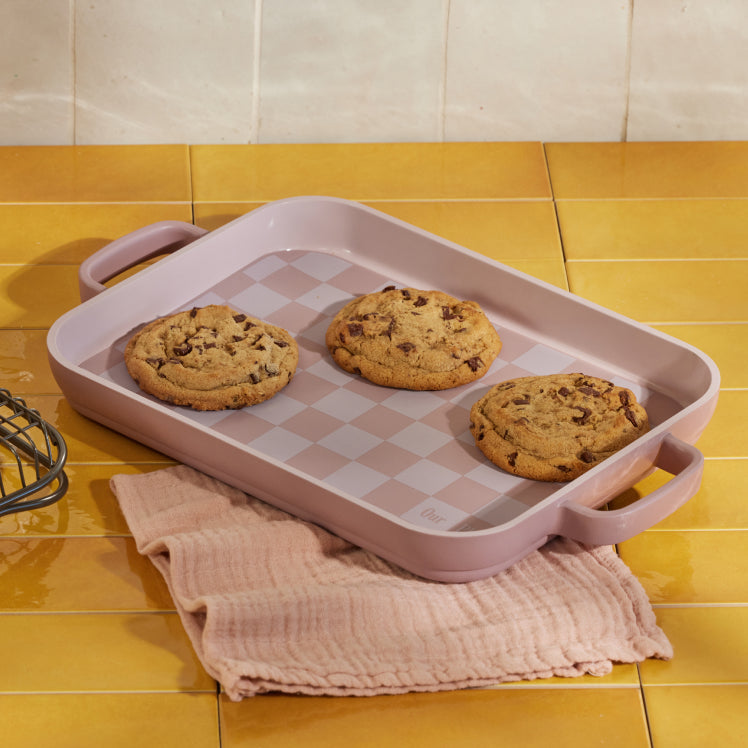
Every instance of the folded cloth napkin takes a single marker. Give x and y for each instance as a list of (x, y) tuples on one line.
[(273, 603)]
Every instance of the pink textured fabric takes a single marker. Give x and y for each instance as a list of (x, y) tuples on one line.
[(272, 603)]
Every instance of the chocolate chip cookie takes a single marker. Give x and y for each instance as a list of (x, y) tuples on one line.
[(211, 358), (412, 339), (556, 427)]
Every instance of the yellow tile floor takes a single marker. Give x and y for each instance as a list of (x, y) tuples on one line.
[(91, 649)]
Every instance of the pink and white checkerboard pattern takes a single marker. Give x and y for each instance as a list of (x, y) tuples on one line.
[(408, 453)]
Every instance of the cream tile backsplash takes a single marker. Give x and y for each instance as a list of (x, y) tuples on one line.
[(278, 71)]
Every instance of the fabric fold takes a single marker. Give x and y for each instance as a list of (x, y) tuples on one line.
[(273, 603)]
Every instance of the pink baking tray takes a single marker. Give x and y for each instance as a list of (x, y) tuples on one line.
[(396, 472)]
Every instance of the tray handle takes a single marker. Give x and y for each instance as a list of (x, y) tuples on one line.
[(605, 527), (129, 250)]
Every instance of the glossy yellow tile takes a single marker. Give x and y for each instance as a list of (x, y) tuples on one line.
[(478, 718), (24, 368), (648, 170), (94, 174), (500, 230), (112, 720), (719, 503), (648, 229), (214, 215), (660, 291), (89, 652), (725, 343), (709, 643), (87, 440), (369, 171), (61, 234), (88, 508), (697, 716), (696, 566), (550, 271), (21, 287), (726, 435), (78, 574)]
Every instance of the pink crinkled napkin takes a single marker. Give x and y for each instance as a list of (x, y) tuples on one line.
[(273, 603)]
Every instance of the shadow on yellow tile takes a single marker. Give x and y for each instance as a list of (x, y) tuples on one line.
[(477, 718), (68, 234), (719, 504), (709, 643), (95, 652), (690, 566), (113, 720), (697, 716)]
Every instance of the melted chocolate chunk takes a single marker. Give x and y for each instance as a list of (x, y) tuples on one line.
[(407, 347), (631, 417), (237, 338), (587, 457), (157, 362), (474, 363), (525, 400), (623, 396), (447, 313), (193, 311), (355, 329), (564, 392), (586, 413), (240, 317), (421, 301), (281, 343), (589, 391), (405, 293), (182, 350), (512, 458), (388, 288)]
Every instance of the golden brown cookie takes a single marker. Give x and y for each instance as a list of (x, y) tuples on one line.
[(411, 339), (556, 427), (211, 358)]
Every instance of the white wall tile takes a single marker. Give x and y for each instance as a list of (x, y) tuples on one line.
[(36, 73), (539, 70), (689, 70), (341, 71), (163, 72)]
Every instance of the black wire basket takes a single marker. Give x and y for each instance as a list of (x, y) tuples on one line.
[(32, 458)]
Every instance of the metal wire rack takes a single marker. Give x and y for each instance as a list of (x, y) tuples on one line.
[(32, 457)]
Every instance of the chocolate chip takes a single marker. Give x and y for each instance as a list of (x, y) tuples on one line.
[(182, 350), (447, 313), (281, 343), (249, 325), (563, 468), (355, 329), (405, 293), (157, 362), (631, 417), (407, 347), (623, 396), (390, 328), (512, 458), (254, 377), (210, 345), (238, 338), (587, 457), (421, 301), (521, 400), (388, 288), (193, 311), (240, 317), (564, 392), (589, 391), (474, 363), (586, 413)]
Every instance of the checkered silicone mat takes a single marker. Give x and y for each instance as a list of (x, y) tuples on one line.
[(408, 453)]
